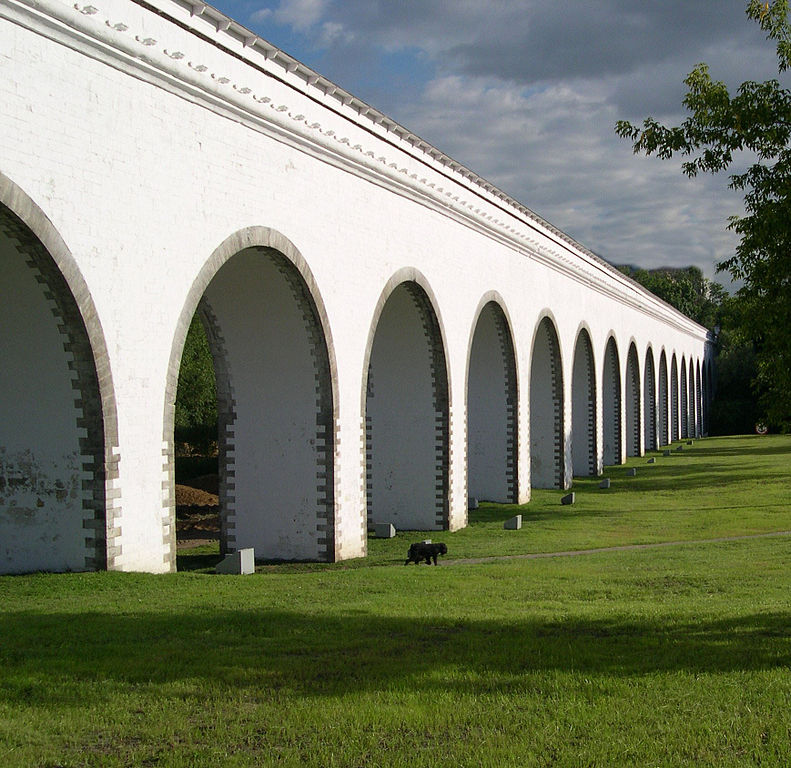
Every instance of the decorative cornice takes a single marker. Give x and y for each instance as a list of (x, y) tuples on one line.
[(413, 168)]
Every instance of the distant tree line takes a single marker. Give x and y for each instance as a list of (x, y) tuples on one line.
[(684, 288), (736, 407)]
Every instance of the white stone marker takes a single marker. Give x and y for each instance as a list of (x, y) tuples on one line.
[(240, 562), (384, 530), (514, 524)]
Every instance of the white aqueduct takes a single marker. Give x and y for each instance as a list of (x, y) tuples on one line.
[(390, 332)]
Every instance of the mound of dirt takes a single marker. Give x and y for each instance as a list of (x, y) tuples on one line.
[(186, 496), (208, 483), (197, 510)]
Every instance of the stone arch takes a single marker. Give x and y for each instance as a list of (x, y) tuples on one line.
[(699, 399), (675, 414), (611, 403), (276, 402), (583, 407), (684, 398), (663, 422), (632, 397), (492, 399), (692, 418), (58, 425), (649, 403), (547, 454), (706, 394), (406, 406)]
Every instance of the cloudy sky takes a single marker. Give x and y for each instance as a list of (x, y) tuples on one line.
[(527, 92)]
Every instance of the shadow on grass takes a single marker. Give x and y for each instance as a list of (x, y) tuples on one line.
[(775, 446), (339, 654), (196, 561), (682, 476)]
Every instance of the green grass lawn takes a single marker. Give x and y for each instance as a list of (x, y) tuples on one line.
[(659, 657)]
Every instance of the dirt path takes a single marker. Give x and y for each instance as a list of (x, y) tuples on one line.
[(623, 547)]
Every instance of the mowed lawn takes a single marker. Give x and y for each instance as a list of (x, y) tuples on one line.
[(671, 656)]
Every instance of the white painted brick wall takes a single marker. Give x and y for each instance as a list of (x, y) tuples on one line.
[(145, 165)]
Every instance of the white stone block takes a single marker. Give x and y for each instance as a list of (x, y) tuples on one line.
[(241, 562), (384, 530)]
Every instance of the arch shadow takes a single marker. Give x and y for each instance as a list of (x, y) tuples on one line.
[(277, 494), (492, 404), (547, 446), (54, 289), (405, 404), (583, 406)]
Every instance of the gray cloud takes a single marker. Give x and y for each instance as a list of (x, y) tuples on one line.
[(555, 150), (526, 41), (527, 93)]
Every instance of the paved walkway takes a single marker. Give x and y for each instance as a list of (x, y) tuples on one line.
[(576, 552)]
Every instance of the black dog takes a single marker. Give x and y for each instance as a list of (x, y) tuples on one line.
[(422, 551)]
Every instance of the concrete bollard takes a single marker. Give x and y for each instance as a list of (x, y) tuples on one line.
[(652, 460), (472, 503), (384, 530), (240, 562), (605, 483), (514, 524), (568, 499), (690, 442), (666, 453), (631, 472), (680, 448)]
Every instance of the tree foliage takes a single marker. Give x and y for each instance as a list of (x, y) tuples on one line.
[(684, 288), (196, 397), (754, 125)]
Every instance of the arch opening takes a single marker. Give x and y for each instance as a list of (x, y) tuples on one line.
[(684, 402), (583, 408), (663, 421), (633, 446), (53, 508), (407, 415), (611, 404), (546, 410), (649, 405), (706, 396), (699, 400), (675, 414), (692, 402), (491, 409), (274, 394)]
